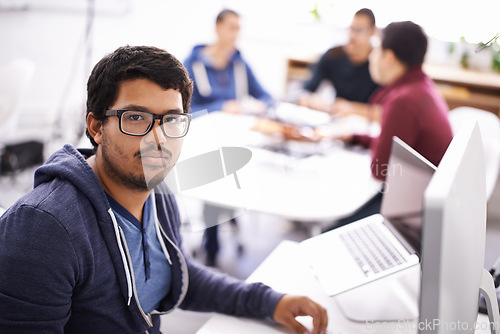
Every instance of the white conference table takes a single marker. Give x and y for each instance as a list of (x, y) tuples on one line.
[(319, 188), (285, 271)]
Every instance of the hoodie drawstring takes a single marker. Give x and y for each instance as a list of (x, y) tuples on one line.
[(122, 253), (158, 233)]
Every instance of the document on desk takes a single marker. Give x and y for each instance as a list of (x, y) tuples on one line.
[(225, 324), (292, 113), (291, 266)]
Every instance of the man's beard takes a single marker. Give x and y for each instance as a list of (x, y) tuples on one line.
[(134, 181)]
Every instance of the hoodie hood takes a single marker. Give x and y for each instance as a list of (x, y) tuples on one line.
[(69, 164)]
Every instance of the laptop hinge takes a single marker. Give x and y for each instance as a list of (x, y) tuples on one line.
[(400, 237)]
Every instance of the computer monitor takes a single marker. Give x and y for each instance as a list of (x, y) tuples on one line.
[(453, 238)]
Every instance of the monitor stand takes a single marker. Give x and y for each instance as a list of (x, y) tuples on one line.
[(391, 298), (395, 298), (487, 289)]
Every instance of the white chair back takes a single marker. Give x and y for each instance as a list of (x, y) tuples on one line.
[(489, 124)]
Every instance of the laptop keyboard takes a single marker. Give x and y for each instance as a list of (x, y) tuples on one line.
[(371, 249)]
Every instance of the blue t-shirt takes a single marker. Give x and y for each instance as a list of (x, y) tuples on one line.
[(152, 271)]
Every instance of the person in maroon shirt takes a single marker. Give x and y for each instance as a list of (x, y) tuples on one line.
[(412, 108)]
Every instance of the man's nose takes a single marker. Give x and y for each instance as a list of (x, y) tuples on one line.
[(156, 134)]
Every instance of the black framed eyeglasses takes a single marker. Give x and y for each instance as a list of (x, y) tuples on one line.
[(139, 123)]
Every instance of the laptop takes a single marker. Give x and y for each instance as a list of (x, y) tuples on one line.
[(381, 244)]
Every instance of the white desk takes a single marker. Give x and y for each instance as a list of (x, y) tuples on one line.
[(321, 187), (284, 271)]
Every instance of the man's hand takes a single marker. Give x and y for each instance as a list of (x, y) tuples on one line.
[(347, 138), (312, 101), (342, 107), (231, 106), (290, 307)]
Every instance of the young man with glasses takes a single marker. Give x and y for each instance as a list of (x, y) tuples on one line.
[(346, 68), (96, 247)]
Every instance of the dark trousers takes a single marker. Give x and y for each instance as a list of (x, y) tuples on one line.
[(211, 215), (369, 208), (211, 240)]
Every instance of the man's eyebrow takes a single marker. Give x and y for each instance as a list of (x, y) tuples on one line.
[(141, 108)]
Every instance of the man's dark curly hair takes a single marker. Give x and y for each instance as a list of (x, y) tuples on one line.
[(134, 62), (407, 40)]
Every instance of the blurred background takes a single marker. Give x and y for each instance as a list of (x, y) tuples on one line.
[(65, 38)]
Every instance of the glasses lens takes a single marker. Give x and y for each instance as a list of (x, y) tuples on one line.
[(136, 122), (175, 125)]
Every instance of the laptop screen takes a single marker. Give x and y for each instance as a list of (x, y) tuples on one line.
[(408, 175)]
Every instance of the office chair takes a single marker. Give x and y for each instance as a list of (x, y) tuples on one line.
[(14, 79), (489, 124)]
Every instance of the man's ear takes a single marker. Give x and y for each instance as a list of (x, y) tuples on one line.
[(94, 127), (390, 57)]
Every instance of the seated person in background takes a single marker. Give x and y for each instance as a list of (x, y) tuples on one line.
[(412, 108), (95, 247), (222, 78), (346, 68), (223, 81)]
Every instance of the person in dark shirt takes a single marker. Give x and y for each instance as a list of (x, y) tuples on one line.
[(347, 69)]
